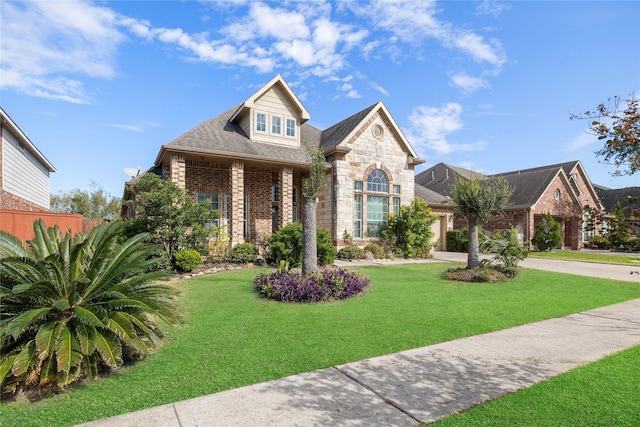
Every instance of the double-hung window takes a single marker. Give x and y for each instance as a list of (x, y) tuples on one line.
[(291, 128), (276, 125), (261, 122)]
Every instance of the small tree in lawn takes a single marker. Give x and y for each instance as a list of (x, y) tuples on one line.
[(477, 200), (310, 189), (170, 214)]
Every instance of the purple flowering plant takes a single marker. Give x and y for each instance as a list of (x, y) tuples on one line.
[(327, 284)]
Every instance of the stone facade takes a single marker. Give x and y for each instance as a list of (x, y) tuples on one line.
[(370, 149)]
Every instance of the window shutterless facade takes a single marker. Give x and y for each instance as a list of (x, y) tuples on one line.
[(211, 202), (357, 216), (261, 122), (276, 125), (291, 128)]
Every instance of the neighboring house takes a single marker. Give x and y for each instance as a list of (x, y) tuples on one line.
[(251, 161), (442, 207), (629, 199), (24, 171), (562, 190)]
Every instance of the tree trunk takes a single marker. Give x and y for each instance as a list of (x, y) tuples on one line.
[(309, 239), (473, 260)]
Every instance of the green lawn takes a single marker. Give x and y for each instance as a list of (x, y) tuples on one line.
[(604, 393), (587, 256), (233, 338)]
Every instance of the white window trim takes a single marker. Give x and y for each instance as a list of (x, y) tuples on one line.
[(271, 117), (295, 128), (267, 123)]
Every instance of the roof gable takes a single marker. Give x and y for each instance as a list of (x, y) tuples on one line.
[(338, 135), (441, 176), (276, 81)]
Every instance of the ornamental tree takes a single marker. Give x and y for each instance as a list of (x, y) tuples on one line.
[(619, 127), (477, 200)]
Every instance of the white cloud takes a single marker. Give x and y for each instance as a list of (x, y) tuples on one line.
[(431, 126), (413, 20), (379, 88), (468, 83), (132, 128), (491, 7), (43, 43)]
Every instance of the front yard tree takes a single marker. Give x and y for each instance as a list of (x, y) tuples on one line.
[(311, 187), (619, 127), (477, 200), (171, 215)]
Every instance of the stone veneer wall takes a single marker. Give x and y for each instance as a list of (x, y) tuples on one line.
[(367, 153)]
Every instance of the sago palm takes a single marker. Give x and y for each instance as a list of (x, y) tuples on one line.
[(73, 307)]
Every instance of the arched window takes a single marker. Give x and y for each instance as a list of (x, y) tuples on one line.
[(377, 181)]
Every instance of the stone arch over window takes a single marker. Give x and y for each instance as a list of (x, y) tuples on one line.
[(380, 167)]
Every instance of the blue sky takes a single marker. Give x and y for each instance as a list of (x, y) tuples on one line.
[(487, 85)]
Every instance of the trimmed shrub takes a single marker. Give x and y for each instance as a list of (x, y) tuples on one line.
[(599, 242), (375, 250), (458, 240), (187, 260), (350, 252), (286, 245), (548, 234), (327, 284), (243, 253), (410, 229)]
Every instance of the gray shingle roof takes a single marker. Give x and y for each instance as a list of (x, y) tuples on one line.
[(441, 176), (219, 136), (528, 186), (430, 196), (610, 197), (334, 135)]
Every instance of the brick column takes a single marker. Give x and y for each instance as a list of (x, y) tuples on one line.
[(285, 204), (237, 202), (178, 170)]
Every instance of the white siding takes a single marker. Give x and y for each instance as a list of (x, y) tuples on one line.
[(23, 175), (276, 102)]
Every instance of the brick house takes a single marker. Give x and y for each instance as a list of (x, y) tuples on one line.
[(24, 170), (561, 190), (629, 199), (250, 161)]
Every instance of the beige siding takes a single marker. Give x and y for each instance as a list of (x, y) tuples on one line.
[(23, 175), (276, 103)]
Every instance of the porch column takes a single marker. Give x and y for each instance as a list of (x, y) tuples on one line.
[(237, 202), (285, 203), (178, 170)]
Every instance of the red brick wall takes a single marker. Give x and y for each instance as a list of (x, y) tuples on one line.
[(13, 202)]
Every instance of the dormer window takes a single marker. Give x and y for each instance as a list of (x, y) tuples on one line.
[(276, 125), (261, 122), (291, 128)]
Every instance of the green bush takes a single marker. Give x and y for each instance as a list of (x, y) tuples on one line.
[(243, 253), (507, 249), (350, 252), (187, 260), (458, 240), (599, 242), (375, 250), (410, 229), (548, 234), (286, 245)]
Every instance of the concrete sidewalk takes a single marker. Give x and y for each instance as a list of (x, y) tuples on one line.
[(415, 386)]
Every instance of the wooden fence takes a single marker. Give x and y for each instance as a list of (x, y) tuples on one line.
[(20, 223)]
